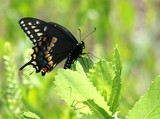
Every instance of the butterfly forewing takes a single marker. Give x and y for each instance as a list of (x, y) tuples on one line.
[(33, 28)]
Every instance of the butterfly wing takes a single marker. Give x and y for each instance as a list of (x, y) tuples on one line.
[(52, 43)]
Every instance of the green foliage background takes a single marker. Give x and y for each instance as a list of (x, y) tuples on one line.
[(132, 24)]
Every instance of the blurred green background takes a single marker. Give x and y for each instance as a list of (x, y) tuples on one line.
[(132, 24)]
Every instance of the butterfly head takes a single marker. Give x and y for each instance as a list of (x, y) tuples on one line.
[(82, 44)]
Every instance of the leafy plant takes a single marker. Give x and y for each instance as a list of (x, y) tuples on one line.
[(103, 81), (97, 92), (29, 115), (92, 90), (148, 106)]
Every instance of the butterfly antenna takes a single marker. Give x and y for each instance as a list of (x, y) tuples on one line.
[(89, 33), (80, 34)]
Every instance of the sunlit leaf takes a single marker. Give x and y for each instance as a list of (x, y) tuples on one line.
[(148, 107), (100, 112), (74, 87), (116, 84), (30, 115), (101, 76)]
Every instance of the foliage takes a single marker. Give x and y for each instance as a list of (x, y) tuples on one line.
[(77, 87), (148, 105), (29, 115), (133, 25)]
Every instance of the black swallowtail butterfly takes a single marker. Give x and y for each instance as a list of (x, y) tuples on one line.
[(52, 44)]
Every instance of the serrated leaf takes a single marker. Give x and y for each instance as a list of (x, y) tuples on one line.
[(85, 62), (148, 106), (30, 115), (100, 112), (116, 84), (75, 86), (117, 60), (108, 80), (101, 76)]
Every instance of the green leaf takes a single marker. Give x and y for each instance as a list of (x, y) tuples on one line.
[(100, 112), (85, 62), (30, 115), (116, 84), (101, 76), (74, 86), (106, 77), (148, 106), (117, 61)]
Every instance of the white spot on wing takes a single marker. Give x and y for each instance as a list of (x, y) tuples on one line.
[(31, 36), (54, 65), (23, 25), (39, 34), (37, 22), (28, 32), (34, 63), (37, 68), (36, 30), (29, 23), (22, 22), (45, 28), (25, 28), (34, 40), (33, 27)]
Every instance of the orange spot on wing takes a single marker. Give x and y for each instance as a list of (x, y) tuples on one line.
[(54, 39), (40, 43), (34, 56), (46, 52), (47, 55), (44, 39), (44, 69), (50, 63), (49, 58), (48, 48), (36, 49), (51, 45)]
